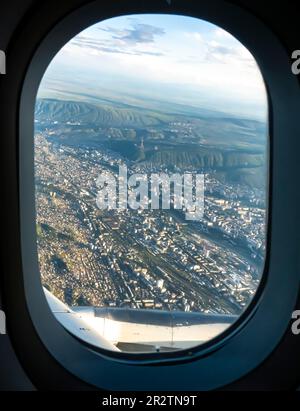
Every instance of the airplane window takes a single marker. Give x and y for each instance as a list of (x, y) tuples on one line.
[(151, 176)]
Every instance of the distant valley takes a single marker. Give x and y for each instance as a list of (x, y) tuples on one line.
[(231, 147)]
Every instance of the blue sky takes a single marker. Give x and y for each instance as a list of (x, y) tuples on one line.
[(163, 57)]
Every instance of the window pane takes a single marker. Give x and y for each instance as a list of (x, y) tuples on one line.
[(151, 169)]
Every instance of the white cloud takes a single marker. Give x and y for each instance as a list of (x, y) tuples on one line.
[(223, 34), (194, 35), (183, 59)]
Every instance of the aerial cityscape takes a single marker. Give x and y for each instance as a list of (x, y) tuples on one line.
[(150, 259)]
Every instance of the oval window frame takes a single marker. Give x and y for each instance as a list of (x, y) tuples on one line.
[(152, 372)]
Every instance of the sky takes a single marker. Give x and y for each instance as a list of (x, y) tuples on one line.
[(176, 59)]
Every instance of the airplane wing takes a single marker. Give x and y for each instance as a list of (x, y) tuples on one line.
[(76, 324), (138, 330)]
